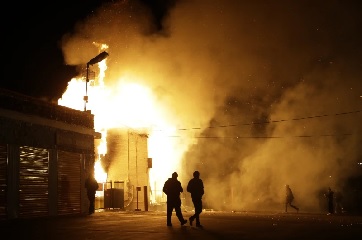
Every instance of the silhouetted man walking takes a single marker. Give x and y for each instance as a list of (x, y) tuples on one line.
[(330, 198), (289, 197), (172, 188), (196, 188)]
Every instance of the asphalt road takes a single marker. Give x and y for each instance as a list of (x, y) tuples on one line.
[(110, 225)]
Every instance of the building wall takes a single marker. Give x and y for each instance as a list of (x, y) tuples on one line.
[(127, 161), (45, 150)]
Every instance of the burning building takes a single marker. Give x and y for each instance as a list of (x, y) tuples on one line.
[(127, 165)]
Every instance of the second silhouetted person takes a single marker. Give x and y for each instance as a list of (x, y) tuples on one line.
[(196, 188), (172, 188)]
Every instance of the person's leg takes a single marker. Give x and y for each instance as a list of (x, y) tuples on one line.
[(92, 205), (179, 215), (93, 201), (330, 206), (91, 198), (192, 218), (295, 207), (177, 206), (169, 213), (198, 210)]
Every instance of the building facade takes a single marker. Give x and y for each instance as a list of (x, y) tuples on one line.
[(45, 152), (127, 165)]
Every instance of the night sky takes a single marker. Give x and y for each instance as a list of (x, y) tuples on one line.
[(33, 62)]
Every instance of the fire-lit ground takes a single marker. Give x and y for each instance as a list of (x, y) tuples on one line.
[(108, 225)]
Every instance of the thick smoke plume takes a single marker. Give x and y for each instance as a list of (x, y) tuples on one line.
[(267, 92)]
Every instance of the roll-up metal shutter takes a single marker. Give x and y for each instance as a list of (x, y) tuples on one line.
[(33, 182), (69, 183), (3, 179)]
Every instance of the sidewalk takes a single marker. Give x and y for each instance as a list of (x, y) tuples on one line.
[(151, 225)]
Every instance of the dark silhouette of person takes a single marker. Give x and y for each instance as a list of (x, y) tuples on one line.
[(172, 188), (330, 196), (91, 185), (289, 197), (196, 188)]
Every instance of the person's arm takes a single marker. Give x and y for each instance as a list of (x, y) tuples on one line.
[(181, 189), (202, 188), (165, 188), (189, 186)]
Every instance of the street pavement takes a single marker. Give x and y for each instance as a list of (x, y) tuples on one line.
[(151, 225)]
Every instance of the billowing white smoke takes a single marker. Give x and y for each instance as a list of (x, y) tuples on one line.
[(256, 87)]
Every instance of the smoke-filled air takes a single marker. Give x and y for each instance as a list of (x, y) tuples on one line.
[(253, 94)]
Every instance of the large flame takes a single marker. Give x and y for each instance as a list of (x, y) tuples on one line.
[(129, 105)]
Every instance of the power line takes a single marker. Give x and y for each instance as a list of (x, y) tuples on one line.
[(273, 121), (265, 137), (269, 122)]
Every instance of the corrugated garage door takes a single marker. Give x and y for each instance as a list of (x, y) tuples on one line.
[(3, 177), (69, 182), (33, 182)]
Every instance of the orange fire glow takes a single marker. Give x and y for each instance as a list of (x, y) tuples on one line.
[(131, 106)]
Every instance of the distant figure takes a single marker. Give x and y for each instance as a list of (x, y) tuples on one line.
[(196, 188), (91, 185), (330, 196), (172, 188), (289, 197)]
